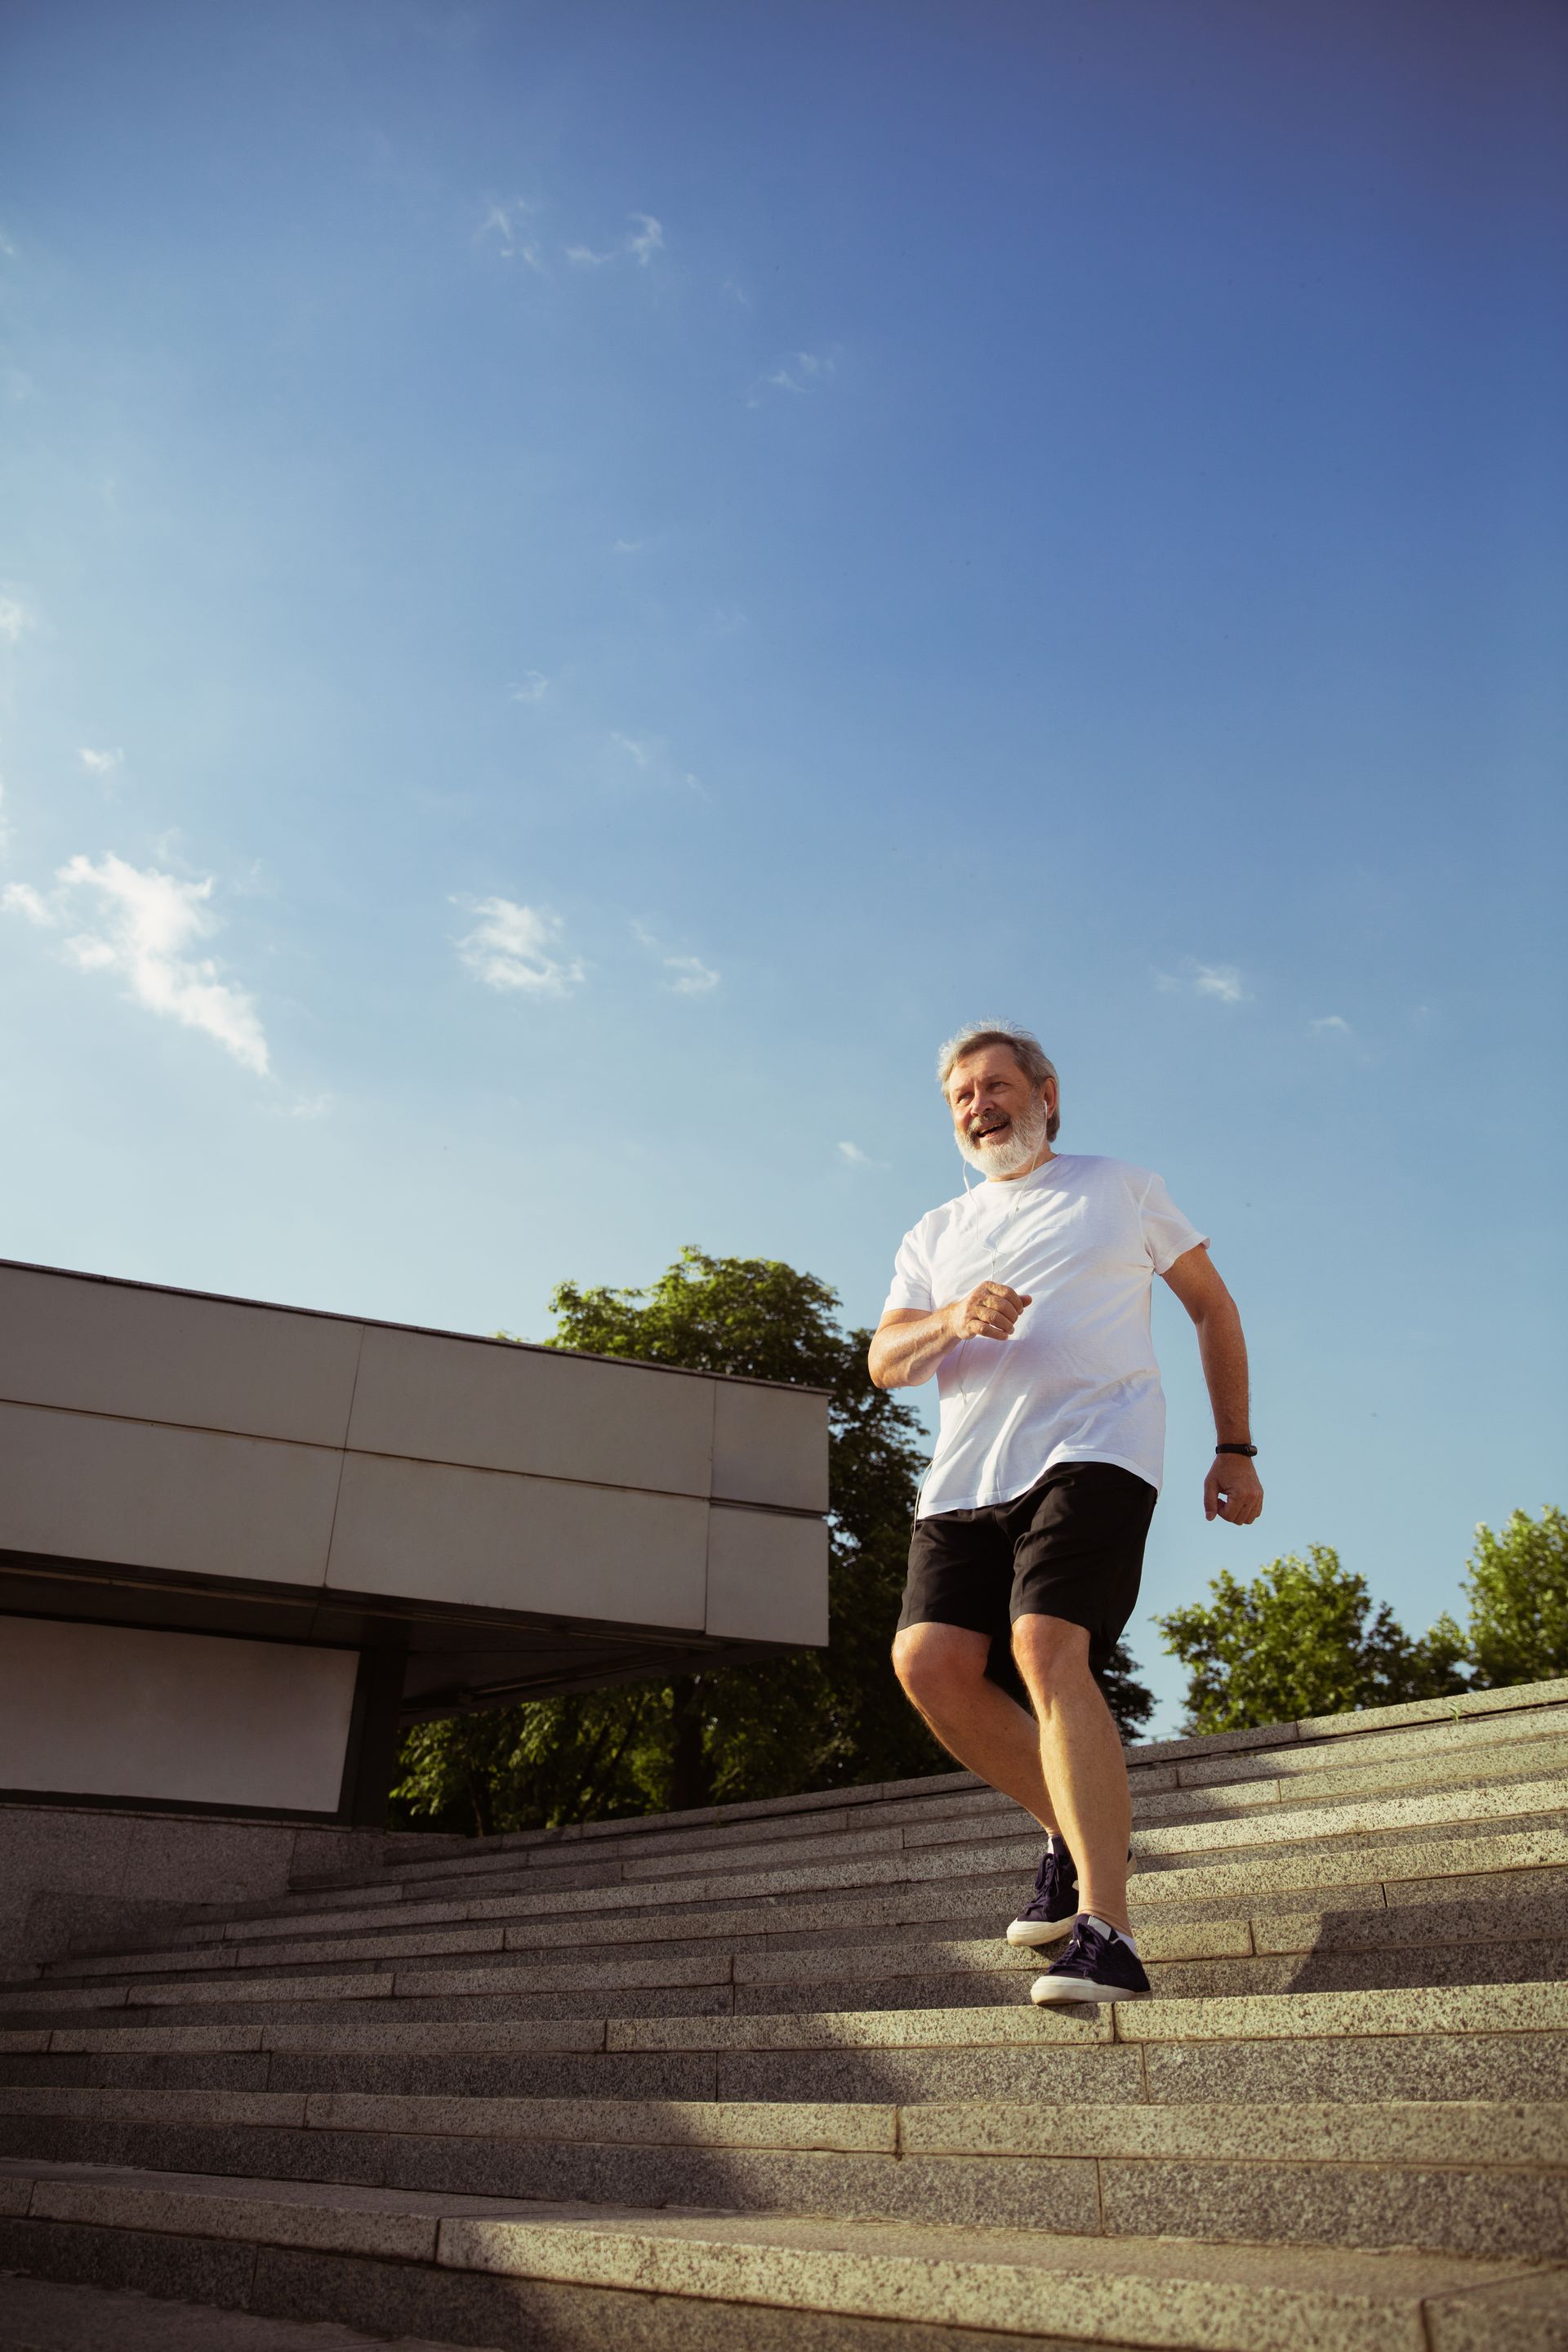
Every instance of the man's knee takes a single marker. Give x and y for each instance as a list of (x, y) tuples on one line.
[(940, 1665), (1051, 1654)]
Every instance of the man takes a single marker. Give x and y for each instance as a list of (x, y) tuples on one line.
[(1028, 1299)]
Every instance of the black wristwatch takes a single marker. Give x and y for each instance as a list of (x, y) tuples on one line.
[(1248, 1450)]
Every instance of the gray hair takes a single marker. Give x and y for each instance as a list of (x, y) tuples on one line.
[(1022, 1044)]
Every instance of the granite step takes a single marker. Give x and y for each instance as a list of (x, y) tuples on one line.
[(1296, 1749), (1407, 1729), (1494, 1942), (1465, 2177), (1009, 1840), (1272, 1800), (63, 2316), (1429, 1871), (378, 1894), (1472, 2041), (647, 2272), (714, 2081), (489, 1942), (1404, 1855)]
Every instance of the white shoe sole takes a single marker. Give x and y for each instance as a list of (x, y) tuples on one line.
[(1030, 1934), (1053, 1992)]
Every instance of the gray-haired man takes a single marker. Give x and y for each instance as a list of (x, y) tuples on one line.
[(1028, 1299)]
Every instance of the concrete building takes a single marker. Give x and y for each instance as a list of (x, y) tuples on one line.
[(241, 1545)]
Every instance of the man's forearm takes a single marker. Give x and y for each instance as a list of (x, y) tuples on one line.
[(1222, 1350), (909, 1353)]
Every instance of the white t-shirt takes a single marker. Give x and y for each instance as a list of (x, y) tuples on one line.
[(1078, 1380)]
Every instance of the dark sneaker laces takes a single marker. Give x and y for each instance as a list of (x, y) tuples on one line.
[(1094, 1965), (1056, 1888)]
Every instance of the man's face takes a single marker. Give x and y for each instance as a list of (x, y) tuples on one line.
[(999, 1117)]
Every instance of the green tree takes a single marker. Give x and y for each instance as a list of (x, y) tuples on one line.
[(818, 1719), (1129, 1701), (1518, 1594), (1303, 1638)]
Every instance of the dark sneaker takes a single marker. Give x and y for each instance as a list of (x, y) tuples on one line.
[(1052, 1909), (1094, 1967)]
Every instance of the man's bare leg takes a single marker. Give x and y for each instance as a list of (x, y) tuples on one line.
[(1081, 1760), (942, 1670)]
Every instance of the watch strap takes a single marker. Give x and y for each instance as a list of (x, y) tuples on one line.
[(1248, 1450)]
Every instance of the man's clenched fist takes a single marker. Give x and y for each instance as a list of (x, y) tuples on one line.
[(989, 1312)]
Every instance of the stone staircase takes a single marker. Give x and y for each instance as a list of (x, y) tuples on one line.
[(768, 2076)]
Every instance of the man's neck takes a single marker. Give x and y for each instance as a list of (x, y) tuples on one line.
[(1018, 1174)]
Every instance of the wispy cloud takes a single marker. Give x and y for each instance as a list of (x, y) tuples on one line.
[(647, 240), (508, 225), (853, 1155), (1331, 1021), (21, 898), (692, 976), (531, 687), (582, 257), (15, 619), (101, 763), (736, 293), (652, 754), (1220, 981), (626, 547), (512, 947), (688, 975), (799, 373), (141, 924)]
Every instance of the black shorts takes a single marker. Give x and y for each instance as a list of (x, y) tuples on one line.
[(1071, 1547)]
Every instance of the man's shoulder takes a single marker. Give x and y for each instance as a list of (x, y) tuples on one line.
[(936, 1221), (1100, 1168)]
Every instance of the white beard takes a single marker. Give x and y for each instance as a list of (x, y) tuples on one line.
[(1015, 1149)]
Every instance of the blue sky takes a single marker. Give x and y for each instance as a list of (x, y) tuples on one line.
[(582, 583)]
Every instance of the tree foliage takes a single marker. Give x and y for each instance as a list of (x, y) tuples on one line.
[(1517, 1588), (1129, 1701), (1303, 1638)]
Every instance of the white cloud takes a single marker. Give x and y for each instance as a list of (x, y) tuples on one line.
[(641, 753), (1221, 980), (691, 976), (854, 1155), (626, 547), (648, 239), (21, 898), (798, 372), (737, 293), (1335, 1021), (7, 248), (508, 223), (144, 923), (15, 619), (530, 687), (582, 257), (101, 763), (511, 947)]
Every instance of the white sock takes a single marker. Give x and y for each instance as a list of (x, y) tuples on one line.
[(1106, 1929)]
